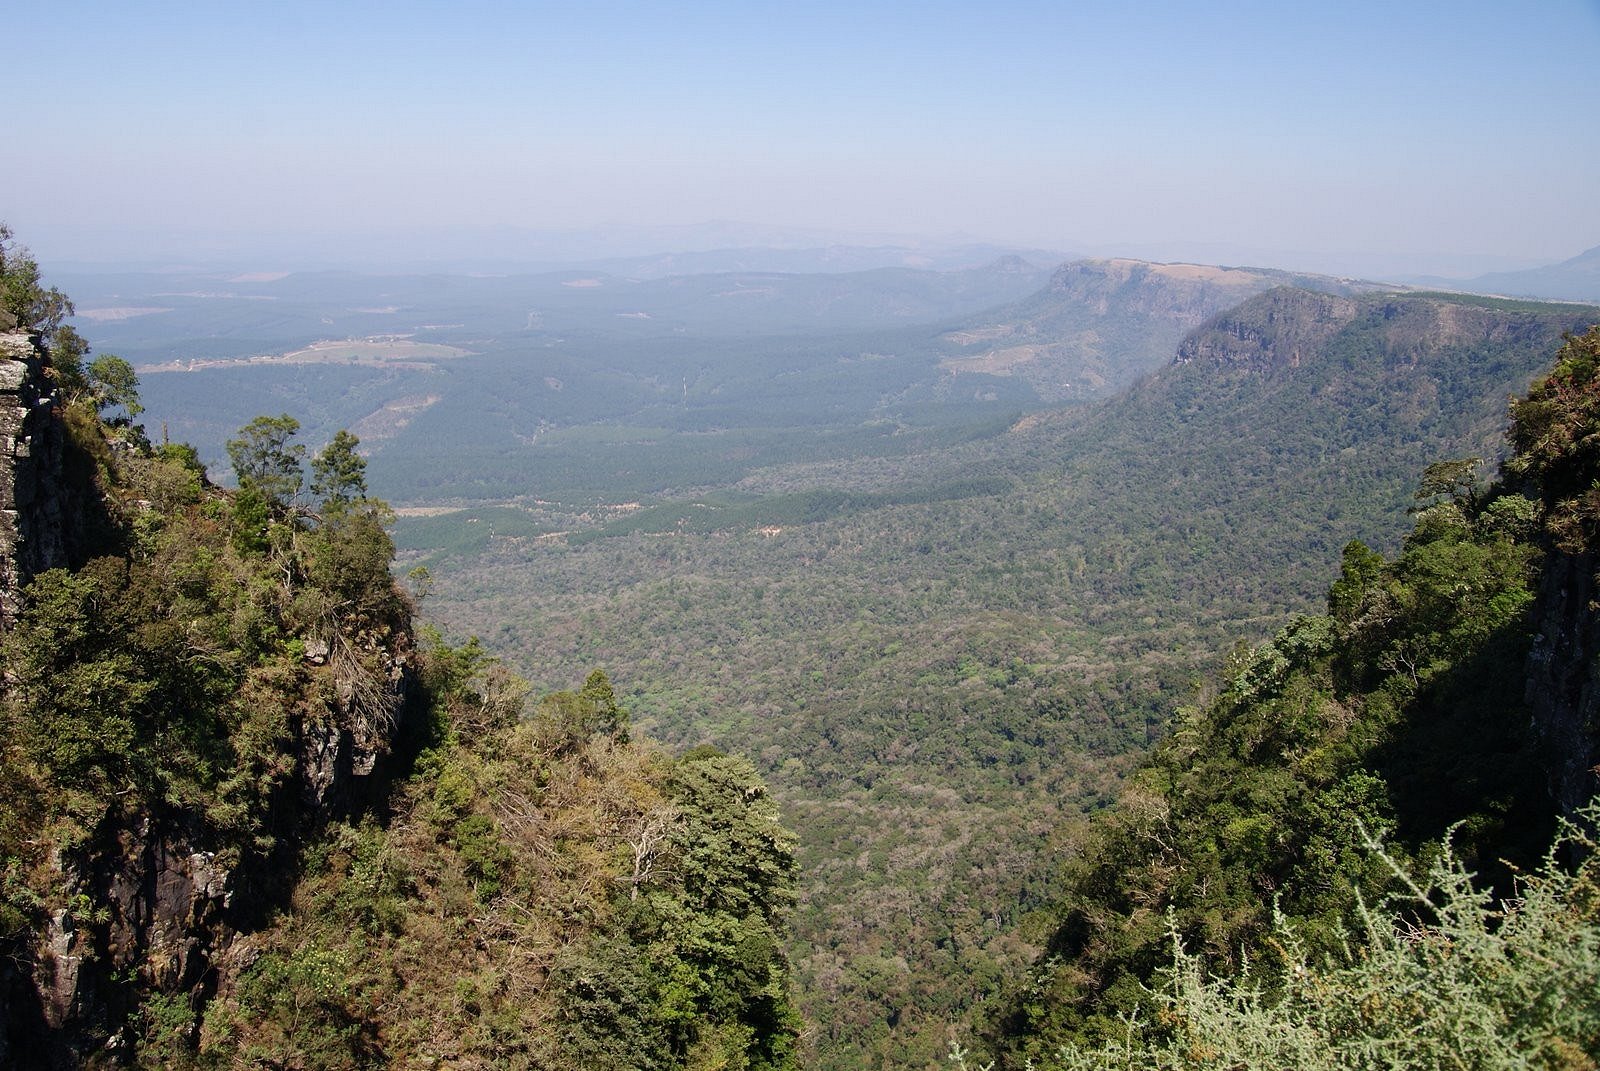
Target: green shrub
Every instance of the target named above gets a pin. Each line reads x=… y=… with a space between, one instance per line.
x=1438 y=975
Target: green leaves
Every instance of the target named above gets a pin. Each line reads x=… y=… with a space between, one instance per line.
x=266 y=462
x=608 y=715
x=1399 y=710
x=113 y=384
x=569 y=719
x=1437 y=976
x=338 y=473
x=714 y=926
x=24 y=301
x=734 y=855
x=1556 y=434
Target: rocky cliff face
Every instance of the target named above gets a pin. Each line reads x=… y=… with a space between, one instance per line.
x=1285 y=325
x=165 y=903
x=160 y=906
x=43 y=520
x=1562 y=688
x=1556 y=432
x=1279 y=328
x=1182 y=293
x=152 y=898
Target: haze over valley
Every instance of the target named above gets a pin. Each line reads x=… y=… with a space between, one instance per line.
x=861 y=536
x=942 y=551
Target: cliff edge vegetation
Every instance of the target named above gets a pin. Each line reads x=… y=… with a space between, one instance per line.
x=247 y=819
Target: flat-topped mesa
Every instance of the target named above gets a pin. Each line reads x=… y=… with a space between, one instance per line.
x=1183 y=293
x=1099 y=325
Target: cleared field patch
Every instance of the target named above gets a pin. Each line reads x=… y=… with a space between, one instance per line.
x=981 y=334
x=390 y=420
x=121 y=312
x=995 y=362
x=371 y=349
x=394 y=351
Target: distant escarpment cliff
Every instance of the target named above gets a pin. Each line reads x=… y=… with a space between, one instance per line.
x=1277 y=328
x=1100 y=324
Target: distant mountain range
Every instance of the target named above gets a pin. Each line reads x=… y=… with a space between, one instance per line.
x=830 y=259
x=634 y=252
x=1577 y=279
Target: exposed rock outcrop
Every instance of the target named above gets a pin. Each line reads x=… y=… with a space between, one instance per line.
x=146 y=901
x=35 y=510
x=1562 y=691
x=1280 y=328
x=157 y=905
x=156 y=897
x=345 y=742
x=1272 y=330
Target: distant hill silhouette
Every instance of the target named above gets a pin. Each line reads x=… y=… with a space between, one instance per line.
x=1577 y=279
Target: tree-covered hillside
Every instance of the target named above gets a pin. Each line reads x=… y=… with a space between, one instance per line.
x=1409 y=710
x=245 y=821
x=936 y=658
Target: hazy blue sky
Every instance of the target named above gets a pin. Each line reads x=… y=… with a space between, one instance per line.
x=1400 y=129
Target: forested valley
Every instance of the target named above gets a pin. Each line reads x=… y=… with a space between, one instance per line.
x=935 y=687
x=960 y=668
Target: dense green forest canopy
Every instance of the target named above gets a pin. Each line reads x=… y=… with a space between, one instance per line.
x=939 y=659
x=941 y=631
x=1404 y=712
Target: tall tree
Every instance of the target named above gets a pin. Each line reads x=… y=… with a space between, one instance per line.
x=266 y=462
x=338 y=473
x=24 y=300
x=605 y=713
x=113 y=382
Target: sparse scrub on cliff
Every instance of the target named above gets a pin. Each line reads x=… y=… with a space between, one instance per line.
x=540 y=894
